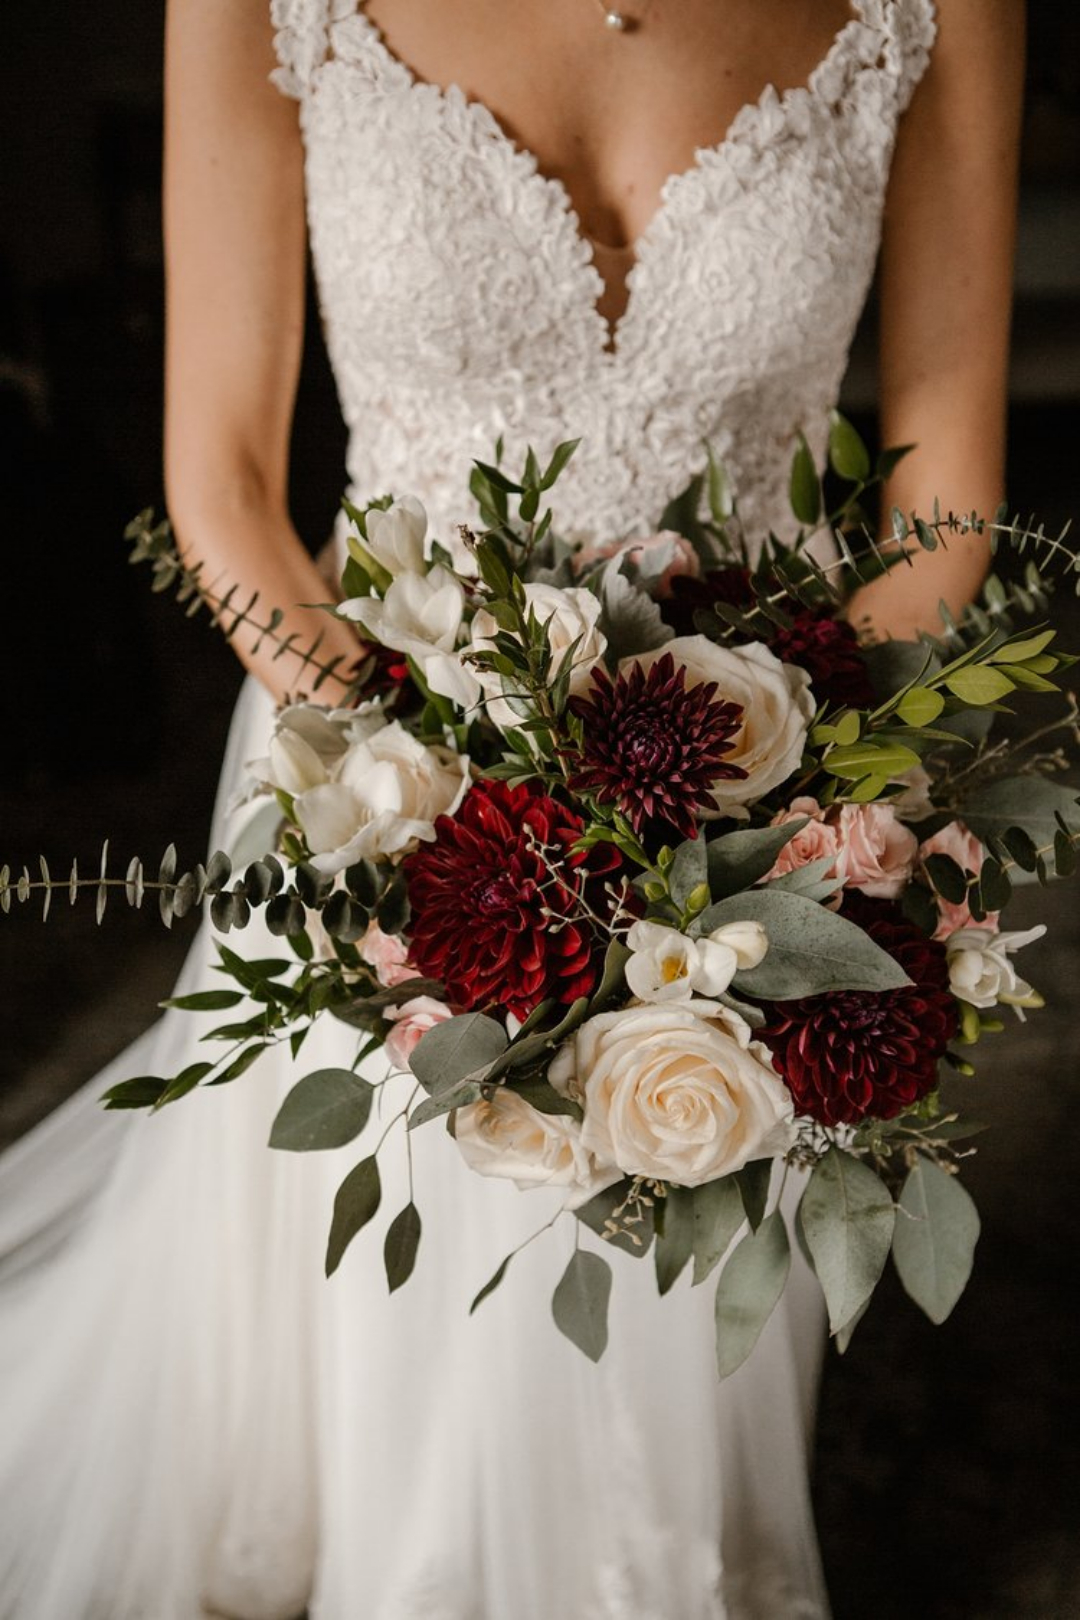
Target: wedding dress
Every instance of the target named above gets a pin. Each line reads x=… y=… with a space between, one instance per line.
x=193 y=1419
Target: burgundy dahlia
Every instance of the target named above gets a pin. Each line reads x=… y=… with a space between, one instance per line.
x=827 y=648
x=856 y=1053
x=652 y=745
x=494 y=901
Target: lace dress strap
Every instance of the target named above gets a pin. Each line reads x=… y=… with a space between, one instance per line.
x=912 y=29
x=301 y=40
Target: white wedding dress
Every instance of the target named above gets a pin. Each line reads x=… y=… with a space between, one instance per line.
x=193 y=1419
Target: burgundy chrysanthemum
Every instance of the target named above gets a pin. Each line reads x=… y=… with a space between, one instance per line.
x=825 y=647
x=494 y=897
x=652 y=745
x=856 y=1053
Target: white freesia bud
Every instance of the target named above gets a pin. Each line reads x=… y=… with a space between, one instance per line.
x=504 y=1136
x=680 y=1092
x=748 y=940
x=669 y=966
x=395 y=538
x=386 y=794
x=981 y=973
x=568 y=616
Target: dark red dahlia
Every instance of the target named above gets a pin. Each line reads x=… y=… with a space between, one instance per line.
x=495 y=901
x=827 y=648
x=859 y=1053
x=652 y=745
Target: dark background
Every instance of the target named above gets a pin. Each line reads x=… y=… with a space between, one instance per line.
x=947 y=1482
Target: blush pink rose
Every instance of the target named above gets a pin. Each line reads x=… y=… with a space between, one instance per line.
x=387 y=955
x=684 y=559
x=877 y=852
x=411 y=1020
x=811 y=843
x=962 y=846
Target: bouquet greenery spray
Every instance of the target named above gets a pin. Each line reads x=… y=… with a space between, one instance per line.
x=660 y=886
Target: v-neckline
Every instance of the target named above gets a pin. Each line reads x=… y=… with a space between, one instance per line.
x=612 y=332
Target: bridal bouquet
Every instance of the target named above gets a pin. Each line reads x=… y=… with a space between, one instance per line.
x=659 y=885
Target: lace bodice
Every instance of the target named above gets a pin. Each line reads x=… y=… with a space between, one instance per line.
x=459 y=293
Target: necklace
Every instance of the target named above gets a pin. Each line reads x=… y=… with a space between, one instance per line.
x=617 y=22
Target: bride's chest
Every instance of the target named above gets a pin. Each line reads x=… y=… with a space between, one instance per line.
x=441 y=248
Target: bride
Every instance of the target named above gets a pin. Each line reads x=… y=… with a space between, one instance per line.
x=528 y=221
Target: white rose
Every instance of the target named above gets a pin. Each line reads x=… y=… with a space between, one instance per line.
x=669 y=966
x=505 y=1136
x=395 y=538
x=980 y=972
x=680 y=1092
x=568 y=615
x=386 y=794
x=777 y=707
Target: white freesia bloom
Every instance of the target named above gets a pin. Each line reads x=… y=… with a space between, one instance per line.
x=569 y=616
x=309 y=743
x=681 y=1092
x=505 y=1136
x=395 y=538
x=385 y=795
x=777 y=707
x=669 y=966
x=981 y=973
x=420 y=613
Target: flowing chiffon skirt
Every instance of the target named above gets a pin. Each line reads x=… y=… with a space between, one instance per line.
x=194 y=1421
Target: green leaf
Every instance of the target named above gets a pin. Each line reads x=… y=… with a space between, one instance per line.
x=580 y=1302
x=947 y=877
x=753 y=1182
x=145 y=1091
x=750 y=1286
x=869 y=758
x=721 y=495
x=718 y=1215
x=325 y=1109
x=675 y=1244
x=847 y=452
x=934 y=1242
x=805 y=486
x=847 y=1218
x=241 y=1063
x=920 y=706
x=441 y=1103
x=847 y=728
x=402 y=1242
x=1030 y=802
x=559 y=459
x=738 y=859
x=491 y=1284
x=1015 y=652
x=357 y=1200
x=206 y=1000
x=811 y=950
x=185 y=1081
x=457 y=1048
x=688 y=870
x=979 y=684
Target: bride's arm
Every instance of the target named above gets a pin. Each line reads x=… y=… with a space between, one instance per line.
x=946 y=285
x=234 y=242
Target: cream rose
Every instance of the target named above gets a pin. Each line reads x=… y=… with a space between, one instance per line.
x=568 y=616
x=680 y=1092
x=386 y=794
x=504 y=1136
x=777 y=707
